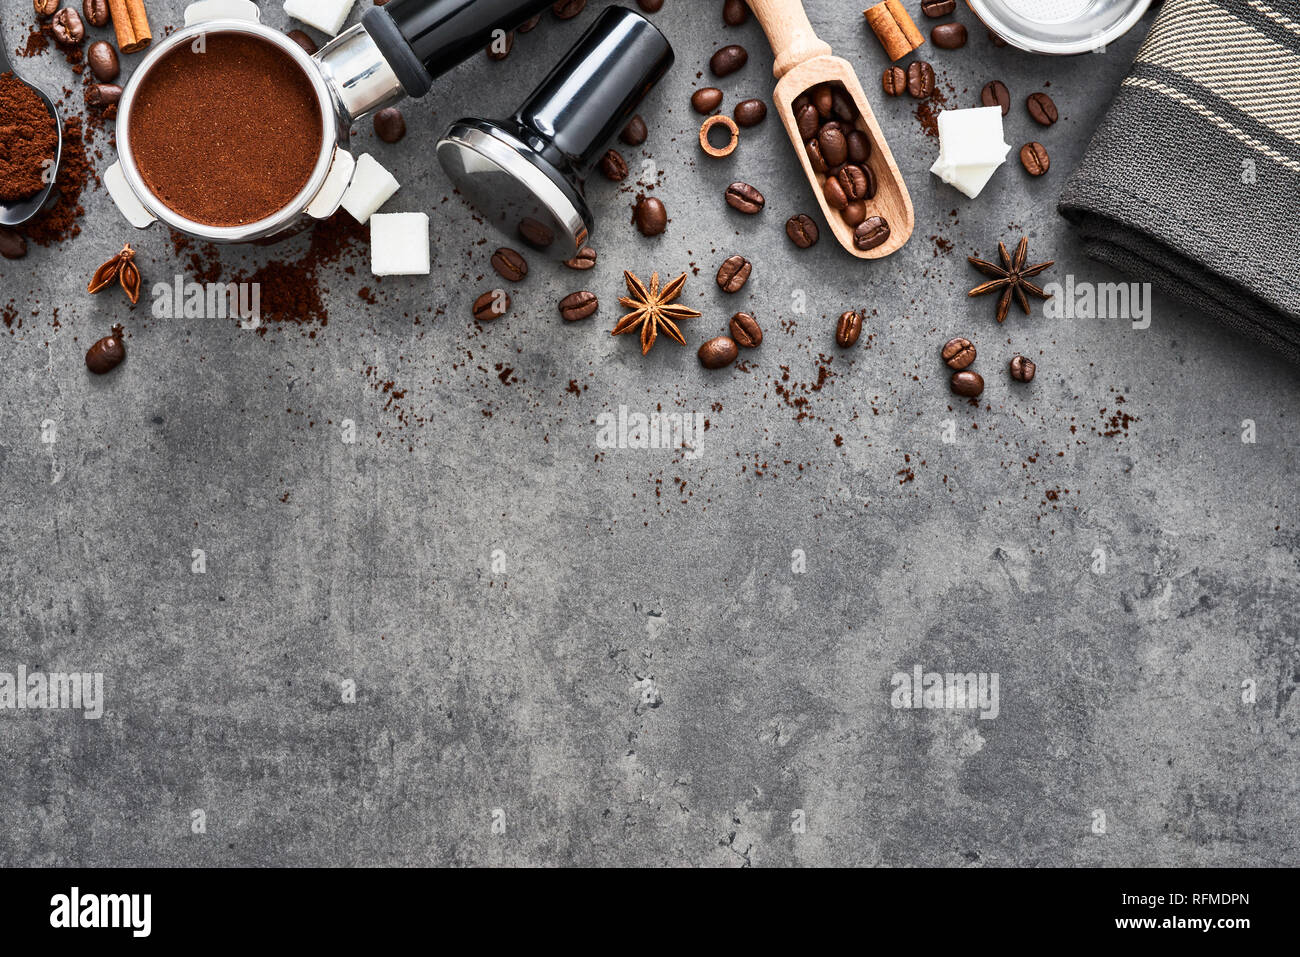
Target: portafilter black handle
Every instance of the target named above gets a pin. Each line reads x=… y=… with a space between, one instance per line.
x=423 y=39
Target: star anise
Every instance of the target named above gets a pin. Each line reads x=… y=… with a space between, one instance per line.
x=653 y=309
x=121 y=267
x=1012 y=277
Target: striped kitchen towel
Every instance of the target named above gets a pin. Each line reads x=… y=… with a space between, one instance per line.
x=1192 y=180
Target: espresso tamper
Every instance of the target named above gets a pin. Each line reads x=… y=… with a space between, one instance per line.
x=526 y=174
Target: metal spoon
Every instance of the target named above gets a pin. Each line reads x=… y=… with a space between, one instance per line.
x=17 y=212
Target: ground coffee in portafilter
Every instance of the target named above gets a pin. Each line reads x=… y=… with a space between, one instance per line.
x=229 y=136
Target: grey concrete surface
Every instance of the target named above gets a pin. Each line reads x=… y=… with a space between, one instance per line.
x=611 y=654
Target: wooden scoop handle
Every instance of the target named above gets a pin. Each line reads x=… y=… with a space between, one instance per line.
x=789 y=33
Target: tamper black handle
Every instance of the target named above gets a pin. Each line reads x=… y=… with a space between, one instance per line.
x=423 y=39
x=591 y=93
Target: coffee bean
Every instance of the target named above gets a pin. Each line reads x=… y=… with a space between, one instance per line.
x=745 y=198
x=749 y=112
x=103 y=94
x=530 y=24
x=835 y=148
x=938 y=8
x=802 y=230
x=958 y=353
x=13 y=244
x=968 y=384
x=390 y=124
x=823 y=98
x=854 y=213
x=996 y=40
x=734 y=273
x=67 y=27
x=1034 y=158
x=585 y=259
x=859 y=146
x=815 y=157
x=735 y=12
x=1022 y=369
x=995 y=93
x=856 y=182
x=509 y=264
x=491 y=305
x=538 y=235
x=635 y=132
x=106 y=354
x=842 y=106
x=578 y=305
x=96 y=12
x=718 y=353
x=651 y=216
x=808 y=121
x=920 y=79
x=1041 y=108
x=746 y=330
x=706 y=99
x=728 y=59
x=799 y=102
x=45 y=8
x=894 y=80
x=848 y=329
x=102 y=60
x=836 y=198
x=870 y=233
x=500 y=49
x=303 y=40
x=949 y=36
x=614 y=166
x=568 y=9
x=650 y=6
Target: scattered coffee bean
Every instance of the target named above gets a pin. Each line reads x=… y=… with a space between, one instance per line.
x=635 y=132
x=958 y=353
x=530 y=24
x=509 y=264
x=500 y=48
x=996 y=40
x=734 y=273
x=303 y=40
x=938 y=8
x=103 y=94
x=967 y=383
x=538 y=235
x=1041 y=108
x=578 y=305
x=45 y=8
x=390 y=124
x=568 y=9
x=728 y=59
x=651 y=215
x=67 y=28
x=848 y=329
x=835 y=148
x=870 y=233
x=920 y=79
x=1034 y=158
x=749 y=112
x=802 y=230
x=102 y=60
x=836 y=198
x=823 y=98
x=718 y=353
x=854 y=213
x=745 y=198
x=650 y=6
x=894 y=81
x=806 y=118
x=746 y=330
x=491 y=305
x=995 y=93
x=1022 y=369
x=614 y=166
x=96 y=12
x=949 y=36
x=106 y=354
x=13 y=244
x=859 y=146
x=815 y=157
x=735 y=12
x=585 y=259
x=706 y=99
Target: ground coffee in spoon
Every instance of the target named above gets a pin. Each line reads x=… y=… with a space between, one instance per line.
x=228 y=136
x=28 y=140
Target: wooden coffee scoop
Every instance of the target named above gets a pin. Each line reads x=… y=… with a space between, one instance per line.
x=803 y=62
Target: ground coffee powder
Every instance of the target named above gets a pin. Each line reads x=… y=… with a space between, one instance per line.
x=28 y=140
x=229 y=136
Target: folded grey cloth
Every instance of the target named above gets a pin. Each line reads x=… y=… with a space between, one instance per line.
x=1192 y=181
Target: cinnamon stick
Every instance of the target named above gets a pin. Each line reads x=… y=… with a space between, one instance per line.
x=131 y=24
x=890 y=22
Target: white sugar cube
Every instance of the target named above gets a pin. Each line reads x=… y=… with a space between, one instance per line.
x=399 y=244
x=971 y=180
x=327 y=16
x=371 y=187
x=971 y=137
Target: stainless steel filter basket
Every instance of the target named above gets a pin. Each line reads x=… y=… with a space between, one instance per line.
x=1059 y=26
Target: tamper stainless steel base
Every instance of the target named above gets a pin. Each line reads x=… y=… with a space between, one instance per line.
x=526 y=174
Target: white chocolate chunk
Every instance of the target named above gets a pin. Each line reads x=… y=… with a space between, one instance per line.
x=328 y=16
x=399 y=244
x=371 y=187
x=970 y=180
x=971 y=137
